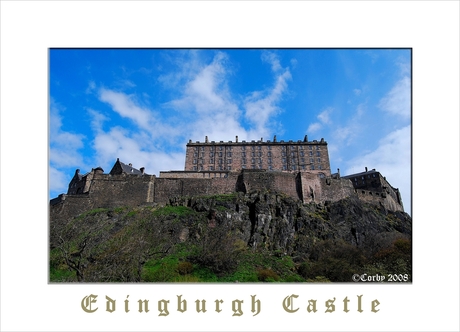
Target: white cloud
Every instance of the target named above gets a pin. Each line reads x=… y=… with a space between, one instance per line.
x=357 y=92
x=64 y=145
x=314 y=127
x=58 y=180
x=392 y=159
x=398 y=100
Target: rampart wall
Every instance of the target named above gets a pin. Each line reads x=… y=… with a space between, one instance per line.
x=108 y=191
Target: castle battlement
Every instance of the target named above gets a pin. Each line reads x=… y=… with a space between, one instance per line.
x=279 y=169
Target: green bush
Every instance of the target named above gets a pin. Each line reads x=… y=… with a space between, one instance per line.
x=267 y=275
x=184 y=268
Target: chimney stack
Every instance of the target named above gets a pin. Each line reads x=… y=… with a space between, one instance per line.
x=236 y=139
x=142 y=169
x=366 y=169
x=206 y=139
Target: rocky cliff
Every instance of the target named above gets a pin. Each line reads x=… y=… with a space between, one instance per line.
x=256 y=236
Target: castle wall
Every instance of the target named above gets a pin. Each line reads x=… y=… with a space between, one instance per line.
x=165 y=188
x=69 y=206
x=265 y=180
x=336 y=189
x=121 y=190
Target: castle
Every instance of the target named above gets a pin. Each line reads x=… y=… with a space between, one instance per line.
x=299 y=169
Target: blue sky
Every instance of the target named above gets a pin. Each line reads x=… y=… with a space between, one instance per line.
x=143 y=105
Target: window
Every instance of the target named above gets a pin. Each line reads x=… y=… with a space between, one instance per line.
x=259 y=147
x=283 y=148
x=270 y=167
x=221 y=148
x=201 y=167
x=253 y=147
x=310 y=147
x=212 y=148
x=294 y=167
x=202 y=148
x=284 y=167
x=269 y=154
x=317 y=147
x=302 y=154
x=243 y=154
x=229 y=148
x=220 y=154
x=260 y=161
x=244 y=161
x=310 y=153
x=195 y=154
x=269 y=160
x=211 y=168
x=284 y=160
x=312 y=167
x=269 y=147
x=318 y=153
x=211 y=161
x=211 y=154
x=229 y=161
x=283 y=154
x=194 y=161
x=253 y=154
x=243 y=167
x=229 y=154
x=243 y=148
x=253 y=161
x=292 y=147
x=229 y=168
x=318 y=160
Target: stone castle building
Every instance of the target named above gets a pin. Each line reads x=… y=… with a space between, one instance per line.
x=269 y=155
x=298 y=169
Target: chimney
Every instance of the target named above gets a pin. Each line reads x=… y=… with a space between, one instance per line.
x=206 y=139
x=236 y=139
x=338 y=172
x=274 y=138
x=305 y=139
x=366 y=169
x=142 y=169
x=130 y=165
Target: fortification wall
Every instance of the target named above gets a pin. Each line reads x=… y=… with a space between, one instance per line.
x=265 y=180
x=311 y=187
x=165 y=188
x=121 y=190
x=336 y=189
x=70 y=206
x=379 y=198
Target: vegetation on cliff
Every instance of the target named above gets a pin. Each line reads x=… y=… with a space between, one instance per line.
x=256 y=237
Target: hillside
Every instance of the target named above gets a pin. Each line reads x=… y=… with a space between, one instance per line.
x=258 y=236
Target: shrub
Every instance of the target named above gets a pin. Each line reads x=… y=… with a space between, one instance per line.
x=267 y=275
x=184 y=268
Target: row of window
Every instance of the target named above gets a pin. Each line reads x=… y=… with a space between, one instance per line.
x=253 y=154
x=270 y=167
x=259 y=161
x=253 y=148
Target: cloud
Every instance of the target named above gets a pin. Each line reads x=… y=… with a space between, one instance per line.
x=392 y=158
x=398 y=100
x=64 y=145
x=324 y=119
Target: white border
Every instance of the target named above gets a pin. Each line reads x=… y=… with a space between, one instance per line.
x=28 y=29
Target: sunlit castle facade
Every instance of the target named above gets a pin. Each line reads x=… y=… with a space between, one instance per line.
x=301 y=155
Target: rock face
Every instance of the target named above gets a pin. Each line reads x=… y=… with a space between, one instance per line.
x=114 y=244
x=279 y=223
